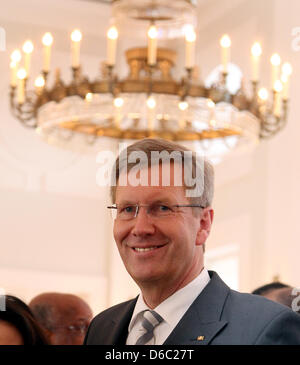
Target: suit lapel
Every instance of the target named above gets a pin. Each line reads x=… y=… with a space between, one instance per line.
x=117 y=331
x=202 y=321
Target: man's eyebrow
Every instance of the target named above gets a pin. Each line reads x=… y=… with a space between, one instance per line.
x=126 y=202
x=154 y=201
x=163 y=201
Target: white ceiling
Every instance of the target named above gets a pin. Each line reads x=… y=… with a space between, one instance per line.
x=91 y=16
x=59 y=14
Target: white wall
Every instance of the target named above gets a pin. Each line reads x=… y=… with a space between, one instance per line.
x=262 y=190
x=53 y=223
x=52 y=217
x=283 y=197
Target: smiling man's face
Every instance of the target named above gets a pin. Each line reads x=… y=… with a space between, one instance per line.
x=176 y=254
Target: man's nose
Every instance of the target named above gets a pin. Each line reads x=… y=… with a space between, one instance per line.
x=143 y=224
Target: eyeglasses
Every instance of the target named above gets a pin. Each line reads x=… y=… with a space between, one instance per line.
x=79 y=328
x=127 y=212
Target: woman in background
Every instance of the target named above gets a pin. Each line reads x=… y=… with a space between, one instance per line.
x=18 y=325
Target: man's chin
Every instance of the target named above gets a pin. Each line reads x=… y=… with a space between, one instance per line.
x=145 y=278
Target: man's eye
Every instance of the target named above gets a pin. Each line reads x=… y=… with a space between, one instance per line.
x=163 y=208
x=127 y=209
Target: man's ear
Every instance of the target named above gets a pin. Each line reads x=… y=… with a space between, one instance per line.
x=206 y=219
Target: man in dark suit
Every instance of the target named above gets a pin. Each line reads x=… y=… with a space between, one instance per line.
x=160 y=230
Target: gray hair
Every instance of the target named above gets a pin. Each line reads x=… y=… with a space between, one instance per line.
x=148 y=146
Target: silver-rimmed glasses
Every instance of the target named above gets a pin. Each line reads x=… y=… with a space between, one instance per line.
x=127 y=212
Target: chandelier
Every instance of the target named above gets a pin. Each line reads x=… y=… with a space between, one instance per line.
x=149 y=101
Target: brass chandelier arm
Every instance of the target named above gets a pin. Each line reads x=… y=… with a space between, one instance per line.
x=271 y=126
x=24 y=112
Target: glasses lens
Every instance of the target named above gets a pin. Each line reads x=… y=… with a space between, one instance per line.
x=160 y=210
x=79 y=328
x=126 y=212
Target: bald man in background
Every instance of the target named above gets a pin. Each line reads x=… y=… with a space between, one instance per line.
x=284 y=296
x=64 y=317
x=280 y=293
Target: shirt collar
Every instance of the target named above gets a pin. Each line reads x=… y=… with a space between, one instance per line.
x=174 y=307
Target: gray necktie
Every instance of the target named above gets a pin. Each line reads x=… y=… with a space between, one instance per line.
x=151 y=319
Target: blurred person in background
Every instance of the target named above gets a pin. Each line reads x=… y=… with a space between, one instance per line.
x=280 y=293
x=267 y=289
x=64 y=317
x=18 y=325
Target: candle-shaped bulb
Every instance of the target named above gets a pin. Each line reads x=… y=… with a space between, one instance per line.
x=47 y=42
x=287 y=69
x=47 y=39
x=112 y=33
x=256 y=53
x=278 y=86
x=28 y=47
x=210 y=103
x=152 y=45
x=22 y=74
x=225 y=41
x=112 y=36
x=285 y=78
x=256 y=50
x=151 y=103
x=152 y=32
x=21 y=85
x=15 y=59
x=190 y=39
x=13 y=66
x=190 y=35
x=39 y=85
x=275 y=59
x=16 y=56
x=183 y=105
x=89 y=97
x=76 y=35
x=263 y=94
x=118 y=102
x=39 y=82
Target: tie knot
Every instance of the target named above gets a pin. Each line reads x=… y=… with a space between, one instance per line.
x=150 y=320
x=153 y=317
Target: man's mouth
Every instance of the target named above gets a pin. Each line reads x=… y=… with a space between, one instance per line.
x=146 y=249
x=139 y=249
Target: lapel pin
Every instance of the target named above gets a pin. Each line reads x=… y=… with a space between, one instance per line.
x=200 y=338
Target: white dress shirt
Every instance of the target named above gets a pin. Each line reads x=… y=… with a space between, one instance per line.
x=171 y=310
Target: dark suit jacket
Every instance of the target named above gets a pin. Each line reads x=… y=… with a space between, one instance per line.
x=219 y=315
